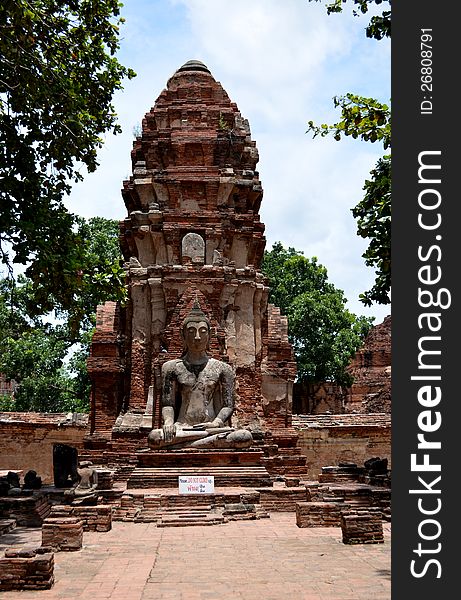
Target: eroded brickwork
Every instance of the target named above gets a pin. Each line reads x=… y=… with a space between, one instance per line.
x=329 y=439
x=371 y=370
x=362 y=527
x=27 y=440
x=26 y=569
x=192 y=232
x=63 y=534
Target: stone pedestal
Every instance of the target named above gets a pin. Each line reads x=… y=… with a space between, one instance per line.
x=27 y=570
x=319 y=514
x=362 y=527
x=62 y=533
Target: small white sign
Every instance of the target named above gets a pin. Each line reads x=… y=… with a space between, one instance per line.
x=196 y=484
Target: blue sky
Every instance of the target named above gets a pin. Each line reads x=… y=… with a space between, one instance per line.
x=282 y=63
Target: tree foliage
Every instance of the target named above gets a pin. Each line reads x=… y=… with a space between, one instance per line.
x=34 y=348
x=369 y=120
x=324 y=334
x=57 y=77
x=373 y=216
x=361 y=118
x=379 y=26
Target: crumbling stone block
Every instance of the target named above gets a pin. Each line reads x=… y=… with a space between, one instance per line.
x=62 y=533
x=362 y=527
x=94 y=518
x=319 y=514
x=27 y=569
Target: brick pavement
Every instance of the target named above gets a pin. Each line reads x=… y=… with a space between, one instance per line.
x=269 y=559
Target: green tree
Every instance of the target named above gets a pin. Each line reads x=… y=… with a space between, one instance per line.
x=35 y=360
x=34 y=349
x=101 y=274
x=324 y=334
x=58 y=74
x=369 y=120
x=379 y=25
x=362 y=118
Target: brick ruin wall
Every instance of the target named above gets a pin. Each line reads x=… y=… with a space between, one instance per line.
x=27 y=440
x=319 y=398
x=371 y=370
x=329 y=439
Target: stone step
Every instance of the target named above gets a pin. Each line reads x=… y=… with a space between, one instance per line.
x=181 y=517
x=199 y=458
x=173 y=509
x=223 y=476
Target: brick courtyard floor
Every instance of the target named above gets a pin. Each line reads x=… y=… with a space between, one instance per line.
x=268 y=559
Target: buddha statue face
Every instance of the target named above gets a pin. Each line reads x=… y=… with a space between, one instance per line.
x=196 y=330
x=196 y=335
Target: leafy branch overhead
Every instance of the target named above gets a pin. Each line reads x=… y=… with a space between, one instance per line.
x=379 y=26
x=58 y=75
x=362 y=118
x=369 y=120
x=373 y=215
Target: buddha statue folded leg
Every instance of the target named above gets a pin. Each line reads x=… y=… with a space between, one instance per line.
x=232 y=438
x=239 y=438
x=156 y=438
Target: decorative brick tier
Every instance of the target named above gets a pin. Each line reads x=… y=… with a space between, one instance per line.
x=62 y=533
x=319 y=514
x=93 y=518
x=362 y=527
x=289 y=462
x=27 y=570
x=199 y=458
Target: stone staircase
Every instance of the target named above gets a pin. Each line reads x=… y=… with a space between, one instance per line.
x=186 y=516
x=168 y=509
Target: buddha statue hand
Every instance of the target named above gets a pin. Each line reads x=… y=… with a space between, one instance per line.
x=169 y=431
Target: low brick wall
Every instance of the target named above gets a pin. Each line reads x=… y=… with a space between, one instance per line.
x=27 y=511
x=62 y=533
x=93 y=518
x=362 y=527
x=282 y=499
x=27 y=570
x=330 y=439
x=27 y=440
x=319 y=514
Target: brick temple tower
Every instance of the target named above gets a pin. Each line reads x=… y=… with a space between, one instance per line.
x=192 y=232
